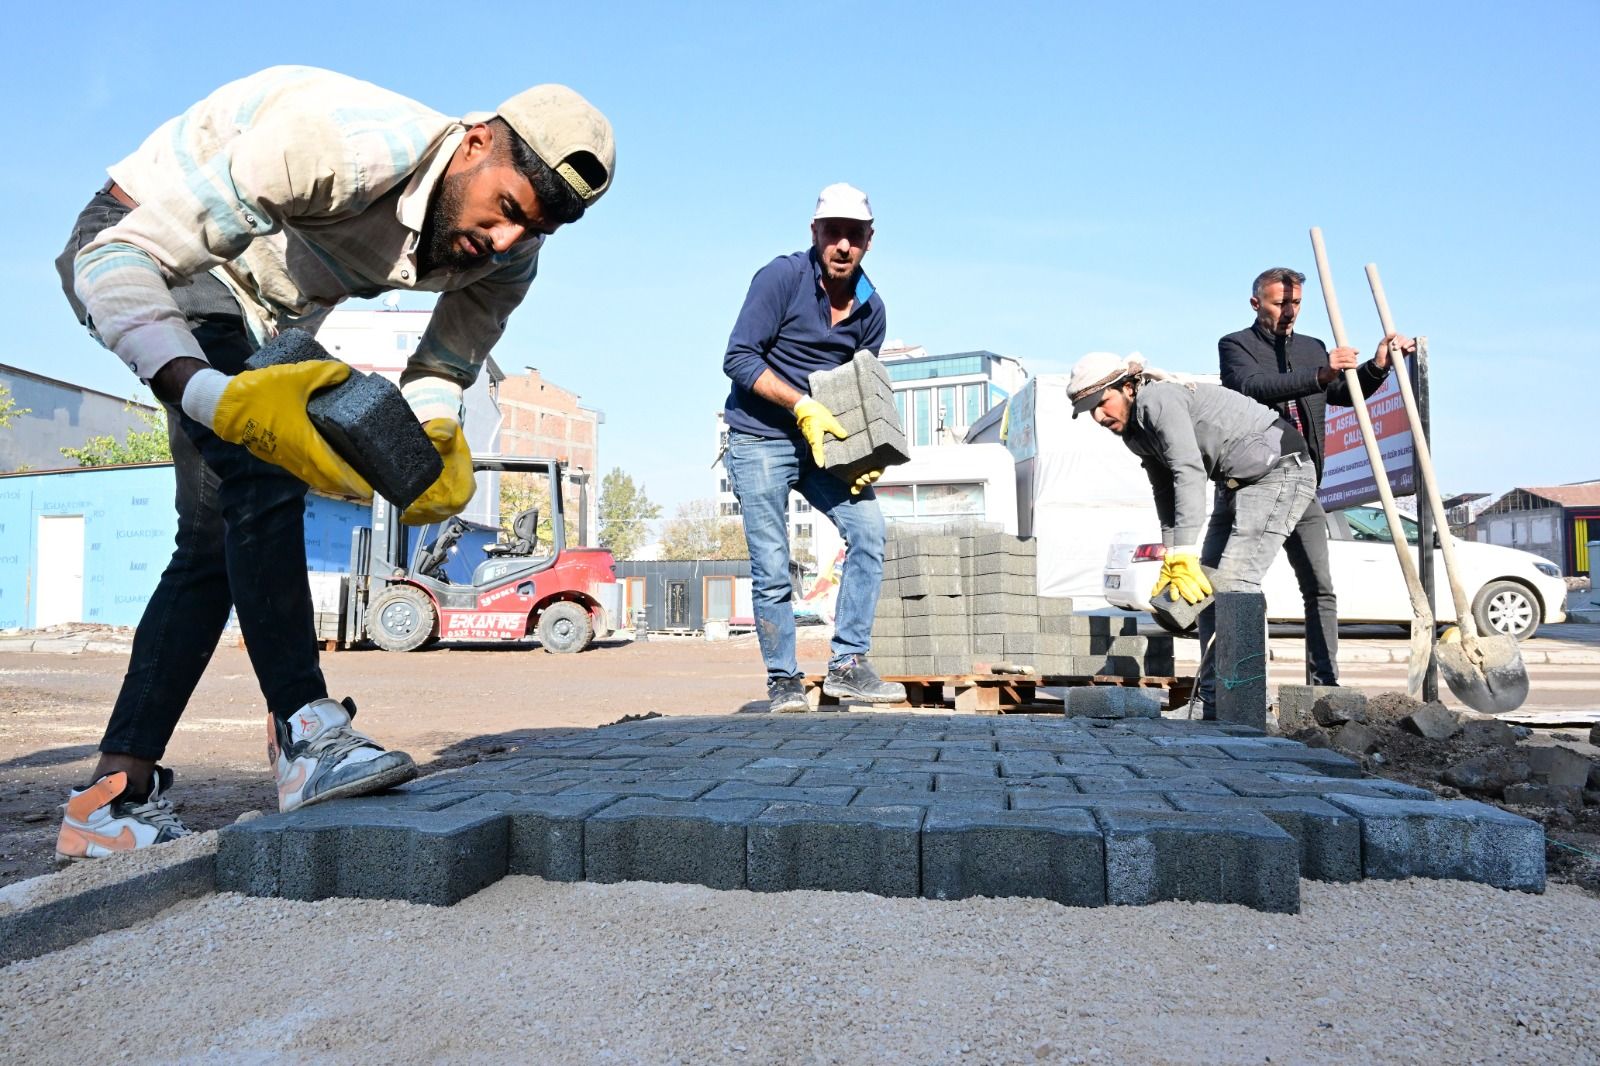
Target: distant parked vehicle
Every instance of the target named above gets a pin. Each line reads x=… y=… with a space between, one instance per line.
x=1512 y=592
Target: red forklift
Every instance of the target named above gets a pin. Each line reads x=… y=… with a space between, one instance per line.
x=401 y=598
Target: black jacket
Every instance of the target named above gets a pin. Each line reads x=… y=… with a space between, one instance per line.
x=1266 y=369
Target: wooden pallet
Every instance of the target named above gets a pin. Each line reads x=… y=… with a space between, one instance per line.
x=1002 y=693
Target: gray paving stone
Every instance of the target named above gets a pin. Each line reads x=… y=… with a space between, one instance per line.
x=1056 y=855
x=641 y=839
x=1111 y=701
x=685 y=799
x=841 y=849
x=833 y=796
x=545 y=833
x=1045 y=800
x=1231 y=857
x=1329 y=838
x=890 y=797
x=434 y=857
x=1453 y=839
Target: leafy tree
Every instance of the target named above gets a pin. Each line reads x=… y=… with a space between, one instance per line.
x=625 y=514
x=148 y=445
x=9 y=411
x=698 y=532
x=518 y=492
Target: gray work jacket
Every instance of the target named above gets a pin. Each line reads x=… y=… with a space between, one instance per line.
x=1186 y=436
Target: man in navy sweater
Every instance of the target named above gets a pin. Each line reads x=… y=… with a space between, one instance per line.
x=1298 y=377
x=812 y=310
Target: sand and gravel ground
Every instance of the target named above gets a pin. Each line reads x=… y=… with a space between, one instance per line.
x=533 y=971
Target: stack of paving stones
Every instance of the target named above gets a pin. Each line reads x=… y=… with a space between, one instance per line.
x=861 y=398
x=951 y=601
x=1081 y=811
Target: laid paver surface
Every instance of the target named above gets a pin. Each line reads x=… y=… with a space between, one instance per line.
x=1083 y=811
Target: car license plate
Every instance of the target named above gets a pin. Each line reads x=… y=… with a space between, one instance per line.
x=1113 y=581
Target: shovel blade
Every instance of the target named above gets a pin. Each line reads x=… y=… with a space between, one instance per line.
x=1485 y=673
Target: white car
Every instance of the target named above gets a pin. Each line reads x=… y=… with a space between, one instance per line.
x=1512 y=592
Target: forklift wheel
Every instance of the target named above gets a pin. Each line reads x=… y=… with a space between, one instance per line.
x=565 y=628
x=401 y=618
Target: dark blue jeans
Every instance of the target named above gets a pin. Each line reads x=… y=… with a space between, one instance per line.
x=240 y=544
x=762 y=472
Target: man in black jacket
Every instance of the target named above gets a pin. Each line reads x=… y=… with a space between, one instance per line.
x=1299 y=377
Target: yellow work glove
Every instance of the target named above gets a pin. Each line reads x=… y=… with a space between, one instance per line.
x=452 y=490
x=265 y=411
x=815 y=420
x=1181 y=570
x=864 y=480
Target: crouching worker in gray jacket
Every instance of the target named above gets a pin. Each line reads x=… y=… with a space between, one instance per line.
x=1186 y=434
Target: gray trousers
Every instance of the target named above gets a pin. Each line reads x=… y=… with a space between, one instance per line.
x=1248 y=527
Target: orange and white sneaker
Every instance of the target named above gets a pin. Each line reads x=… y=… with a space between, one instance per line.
x=97 y=822
x=317 y=756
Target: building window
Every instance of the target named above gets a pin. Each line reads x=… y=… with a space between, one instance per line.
x=973 y=394
x=948 y=415
x=944 y=366
x=718 y=593
x=900 y=408
x=724 y=485
x=801 y=504
x=729 y=509
x=923 y=433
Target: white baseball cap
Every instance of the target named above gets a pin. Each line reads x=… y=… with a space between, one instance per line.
x=1094 y=374
x=843 y=201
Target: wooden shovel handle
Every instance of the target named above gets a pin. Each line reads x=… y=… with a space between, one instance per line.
x=1380 y=476
x=1430 y=482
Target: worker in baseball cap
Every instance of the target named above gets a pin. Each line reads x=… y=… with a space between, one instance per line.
x=812 y=310
x=261 y=206
x=1186 y=434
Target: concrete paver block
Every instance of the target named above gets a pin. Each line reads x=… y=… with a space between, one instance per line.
x=1226 y=857
x=1459 y=839
x=1239 y=656
x=1111 y=701
x=1329 y=838
x=841 y=849
x=1055 y=854
x=642 y=839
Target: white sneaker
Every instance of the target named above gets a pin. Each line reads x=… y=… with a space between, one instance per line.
x=97 y=822
x=317 y=756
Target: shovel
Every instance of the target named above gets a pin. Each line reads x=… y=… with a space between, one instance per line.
x=1421 y=613
x=1485 y=672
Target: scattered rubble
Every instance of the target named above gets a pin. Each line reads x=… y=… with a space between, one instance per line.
x=1452 y=754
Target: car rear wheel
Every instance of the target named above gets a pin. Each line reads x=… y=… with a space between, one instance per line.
x=565 y=628
x=1506 y=608
x=401 y=618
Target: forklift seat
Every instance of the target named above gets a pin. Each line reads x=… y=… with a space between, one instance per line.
x=524 y=534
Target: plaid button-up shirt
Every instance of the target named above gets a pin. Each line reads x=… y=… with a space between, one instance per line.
x=296 y=187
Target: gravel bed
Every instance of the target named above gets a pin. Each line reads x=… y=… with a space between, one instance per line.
x=534 y=971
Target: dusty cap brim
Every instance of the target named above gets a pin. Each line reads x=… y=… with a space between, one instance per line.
x=564 y=130
x=1088 y=397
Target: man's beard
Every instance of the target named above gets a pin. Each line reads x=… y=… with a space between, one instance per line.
x=438 y=249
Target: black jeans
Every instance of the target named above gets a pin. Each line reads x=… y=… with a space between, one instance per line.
x=240 y=544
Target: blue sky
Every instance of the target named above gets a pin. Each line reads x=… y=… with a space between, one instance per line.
x=1049 y=179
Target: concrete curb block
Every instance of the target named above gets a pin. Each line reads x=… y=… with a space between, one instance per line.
x=61 y=922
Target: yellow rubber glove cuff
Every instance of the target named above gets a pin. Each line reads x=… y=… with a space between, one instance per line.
x=265 y=411
x=816 y=420
x=452 y=490
x=864 y=480
x=1181 y=571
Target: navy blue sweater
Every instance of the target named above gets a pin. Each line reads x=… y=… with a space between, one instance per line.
x=784 y=326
